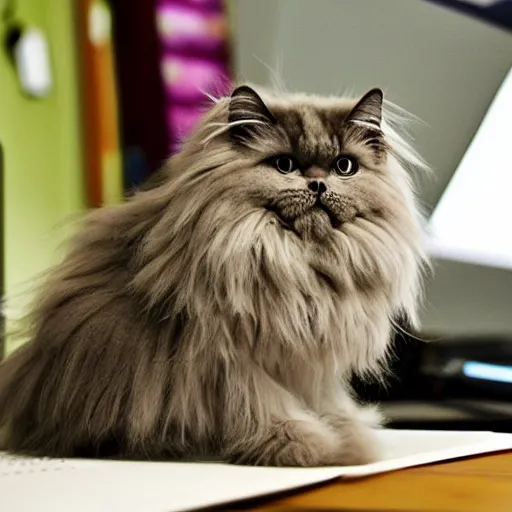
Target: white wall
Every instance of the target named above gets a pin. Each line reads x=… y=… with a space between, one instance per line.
x=255 y=29
x=439 y=64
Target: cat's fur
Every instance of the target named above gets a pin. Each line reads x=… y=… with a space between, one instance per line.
x=221 y=313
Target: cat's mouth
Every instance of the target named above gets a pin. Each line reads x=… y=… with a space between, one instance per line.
x=335 y=222
x=317 y=213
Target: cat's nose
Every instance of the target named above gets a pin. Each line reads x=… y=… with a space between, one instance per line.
x=317 y=186
x=315 y=172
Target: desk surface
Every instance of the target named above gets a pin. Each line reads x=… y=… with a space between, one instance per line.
x=482 y=484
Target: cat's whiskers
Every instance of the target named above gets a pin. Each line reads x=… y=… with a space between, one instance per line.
x=225 y=127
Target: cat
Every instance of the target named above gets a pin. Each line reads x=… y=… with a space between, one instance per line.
x=221 y=312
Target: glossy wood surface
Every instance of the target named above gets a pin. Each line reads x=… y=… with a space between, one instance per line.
x=481 y=484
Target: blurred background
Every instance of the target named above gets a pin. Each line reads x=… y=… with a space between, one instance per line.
x=96 y=94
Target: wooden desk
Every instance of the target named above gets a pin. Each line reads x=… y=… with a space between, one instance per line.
x=482 y=484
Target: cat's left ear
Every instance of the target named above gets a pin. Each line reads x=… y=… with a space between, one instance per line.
x=368 y=110
x=248 y=114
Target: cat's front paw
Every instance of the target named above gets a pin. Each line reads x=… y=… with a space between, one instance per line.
x=358 y=443
x=290 y=443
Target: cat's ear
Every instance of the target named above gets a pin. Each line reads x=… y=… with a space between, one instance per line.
x=368 y=110
x=248 y=114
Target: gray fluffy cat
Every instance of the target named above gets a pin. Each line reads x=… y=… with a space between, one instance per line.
x=222 y=312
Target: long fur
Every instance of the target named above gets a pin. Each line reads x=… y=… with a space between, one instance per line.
x=218 y=313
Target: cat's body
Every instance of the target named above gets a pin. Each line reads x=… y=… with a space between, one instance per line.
x=221 y=313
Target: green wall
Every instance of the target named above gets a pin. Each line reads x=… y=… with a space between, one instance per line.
x=42 y=156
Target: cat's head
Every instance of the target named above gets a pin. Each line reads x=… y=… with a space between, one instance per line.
x=325 y=175
x=318 y=164
x=321 y=163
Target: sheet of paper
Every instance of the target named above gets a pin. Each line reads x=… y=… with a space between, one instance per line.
x=41 y=485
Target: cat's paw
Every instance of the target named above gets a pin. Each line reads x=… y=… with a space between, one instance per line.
x=358 y=443
x=358 y=447
x=291 y=443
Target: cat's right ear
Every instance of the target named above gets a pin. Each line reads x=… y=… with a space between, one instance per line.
x=248 y=115
x=368 y=110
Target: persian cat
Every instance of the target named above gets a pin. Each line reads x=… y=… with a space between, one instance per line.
x=221 y=312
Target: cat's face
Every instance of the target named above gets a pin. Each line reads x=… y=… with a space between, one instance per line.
x=317 y=165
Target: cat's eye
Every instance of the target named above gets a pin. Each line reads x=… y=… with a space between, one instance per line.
x=285 y=164
x=346 y=165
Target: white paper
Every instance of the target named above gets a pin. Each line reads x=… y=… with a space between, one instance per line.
x=41 y=485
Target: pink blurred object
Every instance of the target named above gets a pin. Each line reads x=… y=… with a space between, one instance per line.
x=217 y=5
x=187 y=79
x=195 y=61
x=183 y=117
x=190 y=30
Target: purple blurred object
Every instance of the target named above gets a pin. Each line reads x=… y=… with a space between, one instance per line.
x=187 y=79
x=184 y=117
x=202 y=4
x=194 y=37
x=189 y=30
